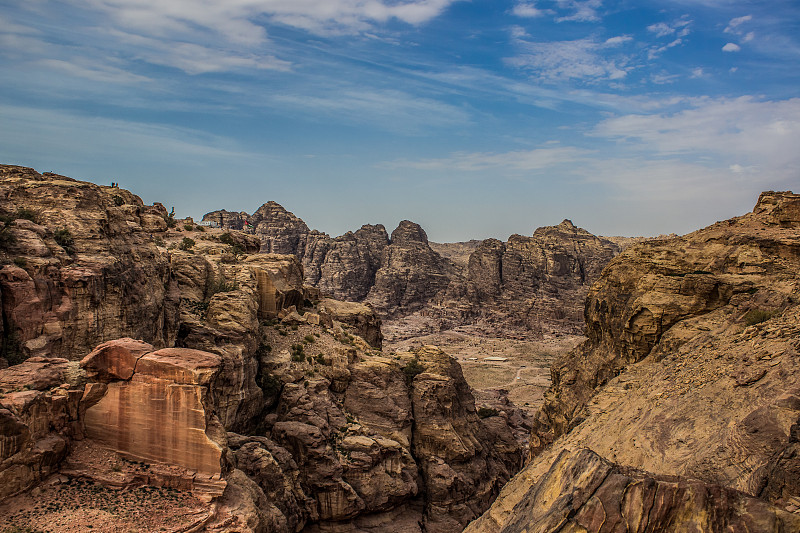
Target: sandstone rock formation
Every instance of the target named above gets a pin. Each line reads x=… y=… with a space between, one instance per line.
x=535 y=283
x=83 y=271
x=687 y=371
x=528 y=285
x=584 y=492
x=256 y=393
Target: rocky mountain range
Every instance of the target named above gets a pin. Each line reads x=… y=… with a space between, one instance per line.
x=149 y=354
x=681 y=410
x=160 y=375
x=527 y=285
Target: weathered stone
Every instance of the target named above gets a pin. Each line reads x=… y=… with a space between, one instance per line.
x=115 y=360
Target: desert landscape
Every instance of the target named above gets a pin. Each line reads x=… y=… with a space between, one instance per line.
x=164 y=375
x=399 y=266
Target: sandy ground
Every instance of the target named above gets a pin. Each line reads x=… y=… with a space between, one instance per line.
x=525 y=373
x=77 y=503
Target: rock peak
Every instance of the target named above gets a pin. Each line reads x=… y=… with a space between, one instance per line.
x=409 y=232
x=567 y=223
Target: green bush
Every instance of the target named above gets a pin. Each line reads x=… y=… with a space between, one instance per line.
x=222 y=285
x=170 y=219
x=65 y=240
x=188 y=227
x=227 y=238
x=757 y=316
x=320 y=359
x=21 y=262
x=186 y=244
x=309 y=339
x=486 y=412
x=159 y=241
x=118 y=200
x=412 y=369
x=298 y=355
x=26 y=214
x=199 y=228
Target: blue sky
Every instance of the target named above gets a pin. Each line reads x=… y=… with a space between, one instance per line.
x=474 y=118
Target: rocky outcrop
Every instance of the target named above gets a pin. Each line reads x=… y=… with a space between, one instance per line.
x=411 y=273
x=687 y=371
x=39 y=402
x=535 y=283
x=162 y=413
x=272 y=402
x=583 y=492
x=79 y=267
x=459 y=455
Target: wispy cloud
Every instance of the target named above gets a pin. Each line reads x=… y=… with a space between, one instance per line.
x=676 y=31
x=571 y=60
x=527 y=10
x=579 y=10
x=521 y=160
x=731 y=47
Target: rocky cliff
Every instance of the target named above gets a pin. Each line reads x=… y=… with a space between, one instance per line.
x=258 y=396
x=687 y=372
x=528 y=285
x=79 y=266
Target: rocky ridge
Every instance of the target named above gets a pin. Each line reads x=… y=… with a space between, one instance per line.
x=687 y=373
x=298 y=420
x=527 y=285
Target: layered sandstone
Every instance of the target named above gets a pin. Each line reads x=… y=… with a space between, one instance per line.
x=687 y=370
x=85 y=270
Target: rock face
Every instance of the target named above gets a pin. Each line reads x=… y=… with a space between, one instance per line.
x=688 y=367
x=84 y=271
x=411 y=273
x=584 y=492
x=531 y=284
x=38 y=417
x=272 y=402
x=162 y=412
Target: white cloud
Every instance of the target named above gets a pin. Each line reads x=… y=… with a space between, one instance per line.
x=697 y=72
x=742 y=131
x=237 y=20
x=731 y=47
x=81 y=68
x=582 y=11
x=614 y=41
x=661 y=29
x=523 y=160
x=565 y=60
x=735 y=23
x=527 y=10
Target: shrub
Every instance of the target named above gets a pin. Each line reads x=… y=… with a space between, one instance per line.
x=298 y=355
x=412 y=369
x=21 y=262
x=263 y=349
x=757 y=316
x=486 y=412
x=188 y=227
x=321 y=359
x=159 y=241
x=26 y=214
x=199 y=228
x=222 y=285
x=309 y=339
x=186 y=244
x=118 y=200
x=65 y=240
x=227 y=238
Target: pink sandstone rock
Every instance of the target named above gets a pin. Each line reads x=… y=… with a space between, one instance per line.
x=114 y=360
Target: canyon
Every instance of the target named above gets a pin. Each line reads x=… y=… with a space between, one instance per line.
x=261 y=376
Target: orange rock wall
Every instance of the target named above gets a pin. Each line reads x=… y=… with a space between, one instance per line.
x=153 y=419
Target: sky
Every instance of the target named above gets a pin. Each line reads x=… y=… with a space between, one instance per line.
x=473 y=118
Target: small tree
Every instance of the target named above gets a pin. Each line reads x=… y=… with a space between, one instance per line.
x=186 y=244
x=64 y=239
